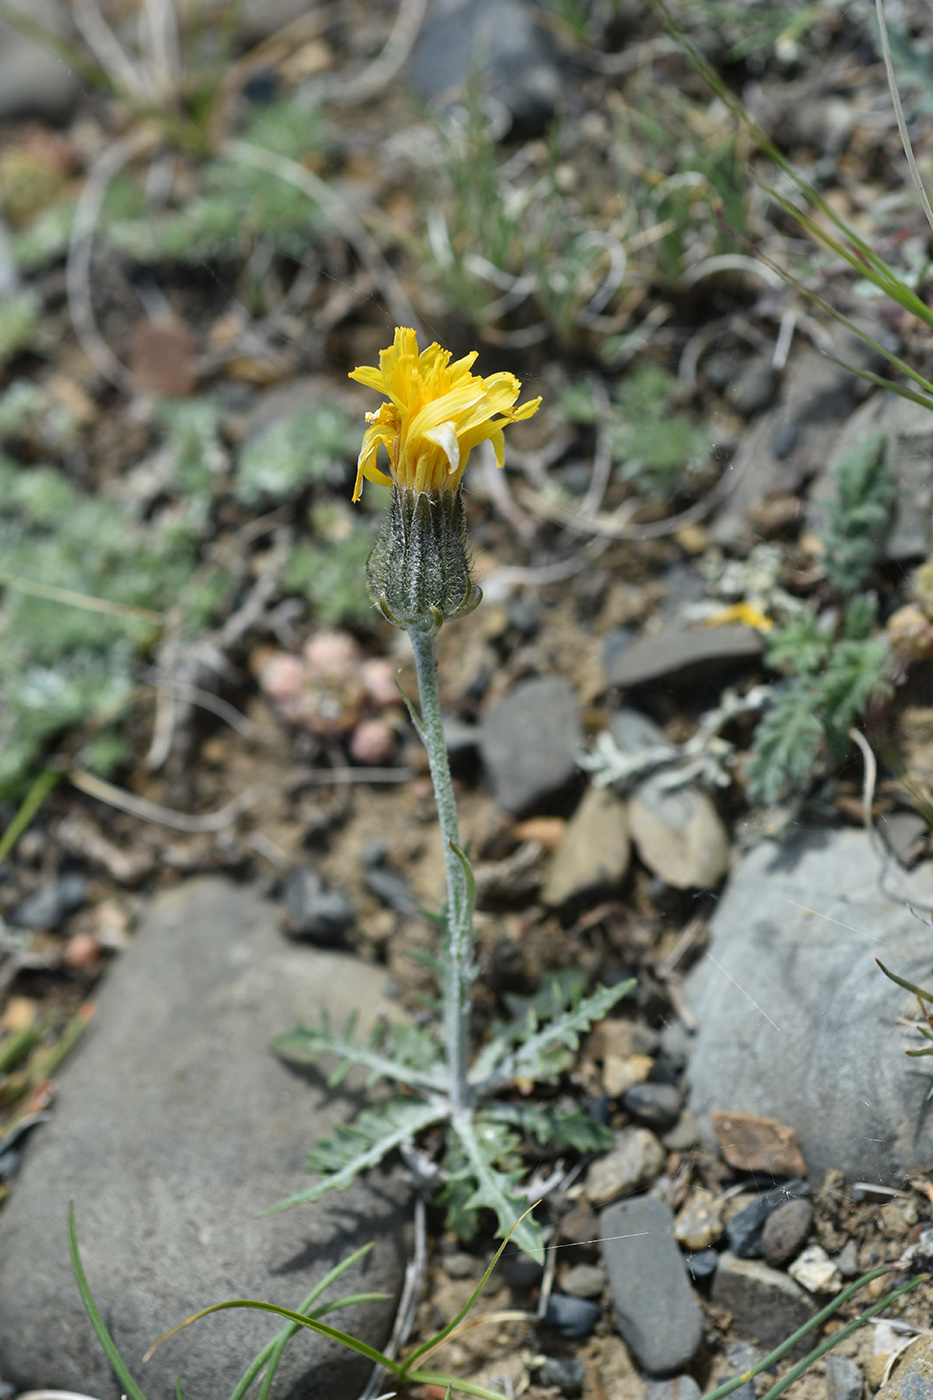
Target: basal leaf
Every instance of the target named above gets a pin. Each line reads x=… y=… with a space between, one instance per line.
x=363 y=1143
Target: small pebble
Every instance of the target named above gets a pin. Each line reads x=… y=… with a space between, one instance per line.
x=741 y=1357
x=570 y=1317
x=702 y=1265
x=785 y=1232
x=684 y=1134
x=459 y=1265
x=622 y=1072
x=745 y=1228
x=373 y=742
x=656 y=1105
x=521 y=1271
x=47 y=908
x=846 y=1261
x=584 y=1281
x=567 y=1373
x=699 y=1221
x=634 y=1163
x=815 y=1271
x=314 y=910
x=378 y=677
x=81 y=950
x=331 y=654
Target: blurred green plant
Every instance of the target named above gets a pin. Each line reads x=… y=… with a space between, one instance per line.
x=653 y=443
x=19 y=316
x=237 y=206
x=507 y=235
x=313 y=446
x=83 y=581
x=837 y=665
x=331 y=573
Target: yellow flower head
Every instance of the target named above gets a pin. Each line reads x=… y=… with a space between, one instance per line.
x=436 y=414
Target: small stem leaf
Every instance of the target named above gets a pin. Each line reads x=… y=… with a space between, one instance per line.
x=467 y=869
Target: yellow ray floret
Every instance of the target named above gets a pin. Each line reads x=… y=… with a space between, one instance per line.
x=436 y=414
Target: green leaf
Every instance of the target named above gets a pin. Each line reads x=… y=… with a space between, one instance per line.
x=97 y=1322
x=800 y=646
x=363 y=1143
x=484 y=1166
x=544 y=1053
x=787 y=742
x=857 y=520
x=415 y=1058
x=856 y=672
x=552 y=1125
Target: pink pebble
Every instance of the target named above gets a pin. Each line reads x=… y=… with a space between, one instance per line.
x=378 y=677
x=331 y=654
x=81 y=950
x=372 y=742
x=282 y=677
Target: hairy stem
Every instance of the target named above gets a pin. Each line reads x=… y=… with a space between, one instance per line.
x=457 y=958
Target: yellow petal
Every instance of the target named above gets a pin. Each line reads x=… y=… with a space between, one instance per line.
x=445 y=436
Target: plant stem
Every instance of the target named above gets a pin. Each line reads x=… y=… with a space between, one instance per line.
x=457 y=958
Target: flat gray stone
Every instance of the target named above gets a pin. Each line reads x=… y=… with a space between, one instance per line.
x=174 y=1127
x=682 y=655
x=658 y=1317
x=797 y=1023
x=529 y=744
x=766 y=1305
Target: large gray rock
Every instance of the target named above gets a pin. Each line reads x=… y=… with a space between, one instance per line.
x=797 y=1023
x=657 y=1314
x=175 y=1126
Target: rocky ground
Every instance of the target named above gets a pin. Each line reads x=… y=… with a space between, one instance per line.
x=218 y=817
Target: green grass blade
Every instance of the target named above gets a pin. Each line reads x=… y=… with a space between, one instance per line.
x=273 y=1349
x=908 y=986
x=453 y=1383
x=797 y=1371
x=334 y=1333
x=790 y=1342
x=38 y=792
x=97 y=1322
x=404 y=1372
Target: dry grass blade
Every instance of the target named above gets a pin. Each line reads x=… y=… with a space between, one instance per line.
x=81 y=245
x=224 y=816
x=899 y=112
x=343 y=219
